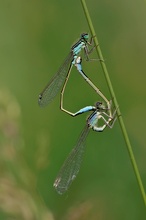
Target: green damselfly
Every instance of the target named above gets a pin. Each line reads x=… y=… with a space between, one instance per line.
x=72 y=164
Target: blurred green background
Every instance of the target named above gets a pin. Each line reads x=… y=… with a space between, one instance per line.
x=35 y=38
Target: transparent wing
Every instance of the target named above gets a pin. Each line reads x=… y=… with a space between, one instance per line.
x=51 y=90
x=71 y=166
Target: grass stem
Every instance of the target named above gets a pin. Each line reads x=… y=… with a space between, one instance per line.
x=121 y=122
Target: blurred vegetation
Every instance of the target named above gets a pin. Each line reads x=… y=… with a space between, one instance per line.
x=35 y=38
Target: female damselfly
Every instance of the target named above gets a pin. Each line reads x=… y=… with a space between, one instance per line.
x=71 y=166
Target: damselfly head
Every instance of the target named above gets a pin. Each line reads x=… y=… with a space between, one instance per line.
x=100 y=106
x=85 y=36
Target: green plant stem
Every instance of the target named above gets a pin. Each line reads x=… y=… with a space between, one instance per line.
x=121 y=122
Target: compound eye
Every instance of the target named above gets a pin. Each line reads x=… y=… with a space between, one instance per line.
x=85 y=36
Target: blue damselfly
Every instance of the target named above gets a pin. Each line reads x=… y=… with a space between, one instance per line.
x=53 y=87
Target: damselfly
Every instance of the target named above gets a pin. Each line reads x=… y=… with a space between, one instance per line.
x=78 y=65
x=71 y=166
x=51 y=90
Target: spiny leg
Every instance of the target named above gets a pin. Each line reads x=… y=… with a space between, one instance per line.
x=87 y=51
x=107 y=122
